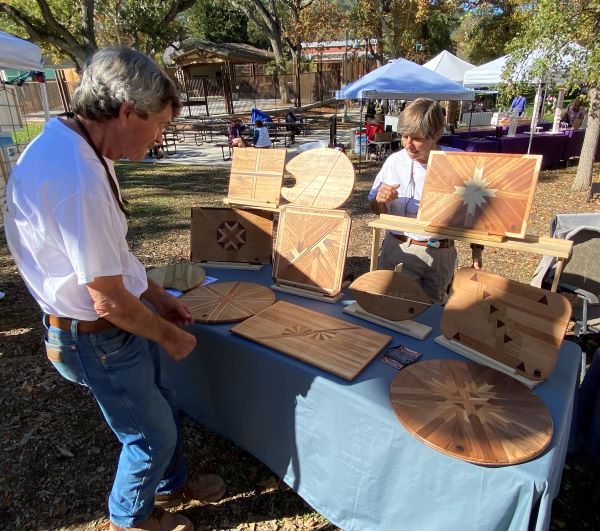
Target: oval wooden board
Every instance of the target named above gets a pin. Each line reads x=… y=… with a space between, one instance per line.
x=471 y=412
x=183 y=277
x=324 y=178
x=390 y=295
x=227 y=302
x=518 y=325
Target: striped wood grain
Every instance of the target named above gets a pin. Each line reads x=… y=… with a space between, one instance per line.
x=516 y=324
x=310 y=248
x=487 y=192
x=471 y=412
x=227 y=302
x=390 y=295
x=324 y=178
x=331 y=344
x=256 y=176
x=231 y=235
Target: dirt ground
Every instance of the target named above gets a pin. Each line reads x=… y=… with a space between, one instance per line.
x=57 y=457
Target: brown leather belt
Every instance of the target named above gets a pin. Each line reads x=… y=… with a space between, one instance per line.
x=83 y=327
x=434 y=244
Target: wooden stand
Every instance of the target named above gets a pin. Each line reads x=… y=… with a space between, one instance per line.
x=541 y=245
x=406 y=327
x=477 y=357
x=307 y=293
x=271 y=207
x=233 y=265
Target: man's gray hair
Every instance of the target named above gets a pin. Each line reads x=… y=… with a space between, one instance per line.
x=113 y=76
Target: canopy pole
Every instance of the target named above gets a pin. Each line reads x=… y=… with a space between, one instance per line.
x=534 y=117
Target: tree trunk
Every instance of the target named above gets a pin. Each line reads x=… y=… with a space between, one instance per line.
x=583 y=179
x=284 y=90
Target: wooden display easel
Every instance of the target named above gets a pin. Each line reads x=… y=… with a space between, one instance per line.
x=542 y=245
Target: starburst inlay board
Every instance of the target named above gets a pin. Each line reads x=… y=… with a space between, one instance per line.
x=324 y=178
x=471 y=412
x=390 y=295
x=231 y=235
x=310 y=248
x=256 y=176
x=518 y=325
x=183 y=276
x=331 y=344
x=487 y=192
x=227 y=302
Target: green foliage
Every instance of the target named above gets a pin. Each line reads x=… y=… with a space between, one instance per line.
x=559 y=40
x=216 y=21
x=26 y=135
x=485 y=30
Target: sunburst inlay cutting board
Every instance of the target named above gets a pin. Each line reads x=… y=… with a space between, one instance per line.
x=227 y=302
x=231 y=235
x=310 y=248
x=331 y=344
x=256 y=176
x=324 y=178
x=487 y=192
x=471 y=412
x=518 y=325
x=390 y=295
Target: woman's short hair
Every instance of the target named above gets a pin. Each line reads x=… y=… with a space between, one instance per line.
x=423 y=118
x=113 y=76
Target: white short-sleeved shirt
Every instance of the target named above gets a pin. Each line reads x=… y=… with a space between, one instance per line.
x=64 y=227
x=400 y=169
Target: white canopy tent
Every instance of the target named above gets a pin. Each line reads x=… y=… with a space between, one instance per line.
x=449 y=65
x=486 y=75
x=401 y=79
x=23 y=55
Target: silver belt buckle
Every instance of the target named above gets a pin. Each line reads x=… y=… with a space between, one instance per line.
x=433 y=243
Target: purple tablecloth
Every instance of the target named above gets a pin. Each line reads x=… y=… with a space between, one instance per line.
x=486 y=145
x=513 y=144
x=550 y=146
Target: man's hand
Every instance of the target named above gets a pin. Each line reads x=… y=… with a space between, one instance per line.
x=167 y=306
x=387 y=193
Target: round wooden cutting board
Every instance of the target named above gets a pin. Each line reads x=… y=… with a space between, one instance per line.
x=183 y=276
x=227 y=302
x=390 y=295
x=471 y=412
x=324 y=178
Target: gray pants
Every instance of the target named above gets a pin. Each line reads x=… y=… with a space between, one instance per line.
x=433 y=268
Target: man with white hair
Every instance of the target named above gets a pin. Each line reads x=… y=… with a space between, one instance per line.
x=66 y=229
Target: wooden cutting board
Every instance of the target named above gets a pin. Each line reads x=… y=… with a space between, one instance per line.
x=487 y=192
x=227 y=302
x=331 y=344
x=324 y=178
x=310 y=248
x=513 y=323
x=183 y=276
x=231 y=235
x=390 y=295
x=471 y=412
x=256 y=176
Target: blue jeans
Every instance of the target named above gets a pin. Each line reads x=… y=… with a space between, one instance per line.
x=124 y=374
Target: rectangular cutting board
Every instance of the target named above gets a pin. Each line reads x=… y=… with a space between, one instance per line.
x=231 y=235
x=331 y=344
x=487 y=192
x=310 y=249
x=256 y=176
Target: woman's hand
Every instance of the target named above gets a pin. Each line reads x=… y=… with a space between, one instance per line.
x=476 y=255
x=387 y=193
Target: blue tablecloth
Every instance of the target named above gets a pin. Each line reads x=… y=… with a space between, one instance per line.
x=340 y=446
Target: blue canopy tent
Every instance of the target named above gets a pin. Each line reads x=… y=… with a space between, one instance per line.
x=404 y=80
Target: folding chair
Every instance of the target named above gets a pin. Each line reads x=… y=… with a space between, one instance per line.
x=580 y=277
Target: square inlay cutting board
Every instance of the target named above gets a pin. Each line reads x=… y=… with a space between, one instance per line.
x=331 y=344
x=518 y=325
x=310 y=249
x=487 y=192
x=256 y=176
x=231 y=235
